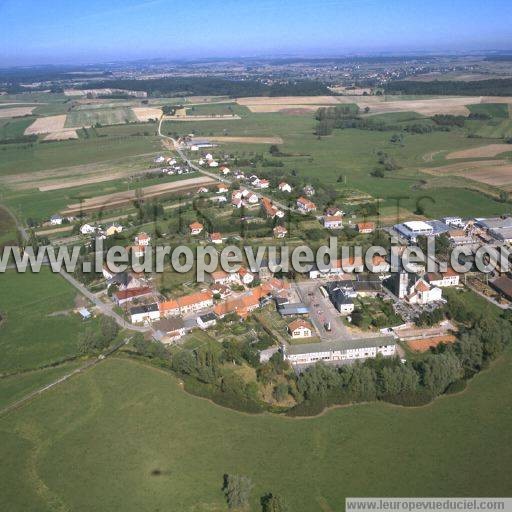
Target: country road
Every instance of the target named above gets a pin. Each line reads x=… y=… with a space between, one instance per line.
x=105 y=309
x=213 y=175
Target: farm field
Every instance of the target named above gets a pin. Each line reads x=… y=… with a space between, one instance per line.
x=16 y=111
x=42 y=204
x=8 y=233
x=32 y=334
x=144 y=444
x=12 y=128
x=78 y=118
x=28 y=158
x=377 y=104
x=174 y=185
x=480 y=152
x=492 y=172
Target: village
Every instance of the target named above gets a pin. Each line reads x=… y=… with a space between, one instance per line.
x=336 y=315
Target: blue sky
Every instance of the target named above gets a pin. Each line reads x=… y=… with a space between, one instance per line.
x=82 y=31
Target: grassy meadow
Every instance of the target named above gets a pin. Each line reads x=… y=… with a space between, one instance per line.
x=38 y=325
x=127 y=437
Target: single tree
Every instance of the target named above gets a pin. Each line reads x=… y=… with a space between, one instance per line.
x=237 y=490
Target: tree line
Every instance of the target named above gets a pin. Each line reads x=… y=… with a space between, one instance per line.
x=493 y=87
x=214 y=86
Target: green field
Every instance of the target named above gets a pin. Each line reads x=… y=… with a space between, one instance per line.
x=126 y=437
x=30 y=334
x=42 y=205
x=16 y=158
x=15 y=387
x=493 y=129
x=14 y=127
x=491 y=109
x=217 y=109
x=8 y=233
x=103 y=117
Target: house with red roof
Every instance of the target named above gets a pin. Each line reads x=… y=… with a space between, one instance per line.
x=305 y=205
x=300 y=329
x=196 y=228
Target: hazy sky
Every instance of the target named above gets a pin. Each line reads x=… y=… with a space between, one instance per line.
x=80 y=31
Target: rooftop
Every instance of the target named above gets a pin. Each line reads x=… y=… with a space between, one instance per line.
x=418 y=225
x=328 y=346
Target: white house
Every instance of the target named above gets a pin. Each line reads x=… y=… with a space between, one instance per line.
x=443 y=279
x=222 y=188
x=422 y=293
x=284 y=187
x=300 y=329
x=245 y=276
x=251 y=198
x=142 y=239
x=237 y=194
x=87 y=229
x=261 y=183
x=333 y=222
x=144 y=313
x=215 y=238
x=56 y=220
x=280 y=232
x=305 y=205
x=207 y=320
x=221 y=277
x=213 y=163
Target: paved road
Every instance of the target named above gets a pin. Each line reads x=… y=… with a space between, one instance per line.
x=213 y=175
x=105 y=309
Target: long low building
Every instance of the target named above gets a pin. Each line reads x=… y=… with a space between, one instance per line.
x=340 y=351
